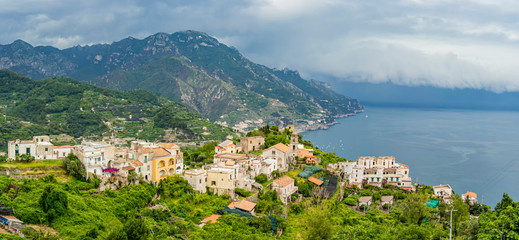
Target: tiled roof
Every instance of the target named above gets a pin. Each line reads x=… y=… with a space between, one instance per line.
x=129 y=168
x=213 y=218
x=245 y=205
x=386 y=198
x=365 y=199
x=471 y=194
x=280 y=146
x=232 y=204
x=67 y=146
x=157 y=152
x=136 y=163
x=285 y=180
x=167 y=145
x=315 y=180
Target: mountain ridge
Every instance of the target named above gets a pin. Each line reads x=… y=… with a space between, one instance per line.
x=192 y=67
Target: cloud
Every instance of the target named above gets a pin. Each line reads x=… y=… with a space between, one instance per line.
x=443 y=43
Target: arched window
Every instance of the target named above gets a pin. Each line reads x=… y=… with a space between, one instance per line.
x=162 y=173
x=171 y=171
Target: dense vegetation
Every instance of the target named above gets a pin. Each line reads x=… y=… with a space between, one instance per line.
x=63 y=105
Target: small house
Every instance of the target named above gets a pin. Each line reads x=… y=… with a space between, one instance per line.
x=386 y=200
x=365 y=200
x=243 y=205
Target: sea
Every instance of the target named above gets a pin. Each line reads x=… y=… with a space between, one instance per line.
x=470 y=150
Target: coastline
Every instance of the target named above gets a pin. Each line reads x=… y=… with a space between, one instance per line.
x=325 y=126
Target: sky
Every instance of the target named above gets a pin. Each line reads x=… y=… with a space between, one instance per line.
x=441 y=43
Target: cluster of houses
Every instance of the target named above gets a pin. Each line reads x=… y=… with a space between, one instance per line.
x=235 y=166
x=374 y=171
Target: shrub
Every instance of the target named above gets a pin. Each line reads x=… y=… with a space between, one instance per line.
x=350 y=201
x=262 y=178
x=242 y=192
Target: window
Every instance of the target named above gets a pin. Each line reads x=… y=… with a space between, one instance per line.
x=139 y=169
x=405 y=172
x=213 y=183
x=28 y=151
x=200 y=181
x=148 y=167
x=46 y=149
x=273 y=152
x=145 y=158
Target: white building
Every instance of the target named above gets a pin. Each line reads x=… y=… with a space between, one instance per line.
x=96 y=157
x=268 y=166
x=62 y=152
x=40 y=148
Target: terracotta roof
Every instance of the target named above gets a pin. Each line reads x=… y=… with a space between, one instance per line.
x=280 y=146
x=285 y=180
x=67 y=146
x=471 y=194
x=315 y=180
x=157 y=152
x=232 y=204
x=213 y=218
x=386 y=198
x=245 y=205
x=129 y=168
x=167 y=145
x=136 y=163
x=365 y=199
x=406 y=188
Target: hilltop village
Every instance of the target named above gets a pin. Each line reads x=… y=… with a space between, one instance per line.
x=270 y=174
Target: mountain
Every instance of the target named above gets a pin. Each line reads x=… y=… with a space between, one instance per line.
x=192 y=67
x=64 y=105
x=391 y=95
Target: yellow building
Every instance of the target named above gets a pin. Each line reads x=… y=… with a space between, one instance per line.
x=164 y=163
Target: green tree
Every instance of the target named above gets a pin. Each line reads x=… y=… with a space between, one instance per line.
x=318 y=224
x=135 y=229
x=413 y=208
x=54 y=202
x=504 y=203
x=74 y=166
x=261 y=178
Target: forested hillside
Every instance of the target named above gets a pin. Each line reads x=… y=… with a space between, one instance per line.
x=64 y=105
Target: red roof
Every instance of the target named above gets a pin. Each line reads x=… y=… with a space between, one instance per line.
x=213 y=218
x=316 y=181
x=471 y=194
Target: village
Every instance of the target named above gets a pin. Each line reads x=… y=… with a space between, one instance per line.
x=238 y=166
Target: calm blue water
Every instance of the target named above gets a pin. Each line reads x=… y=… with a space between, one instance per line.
x=470 y=150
